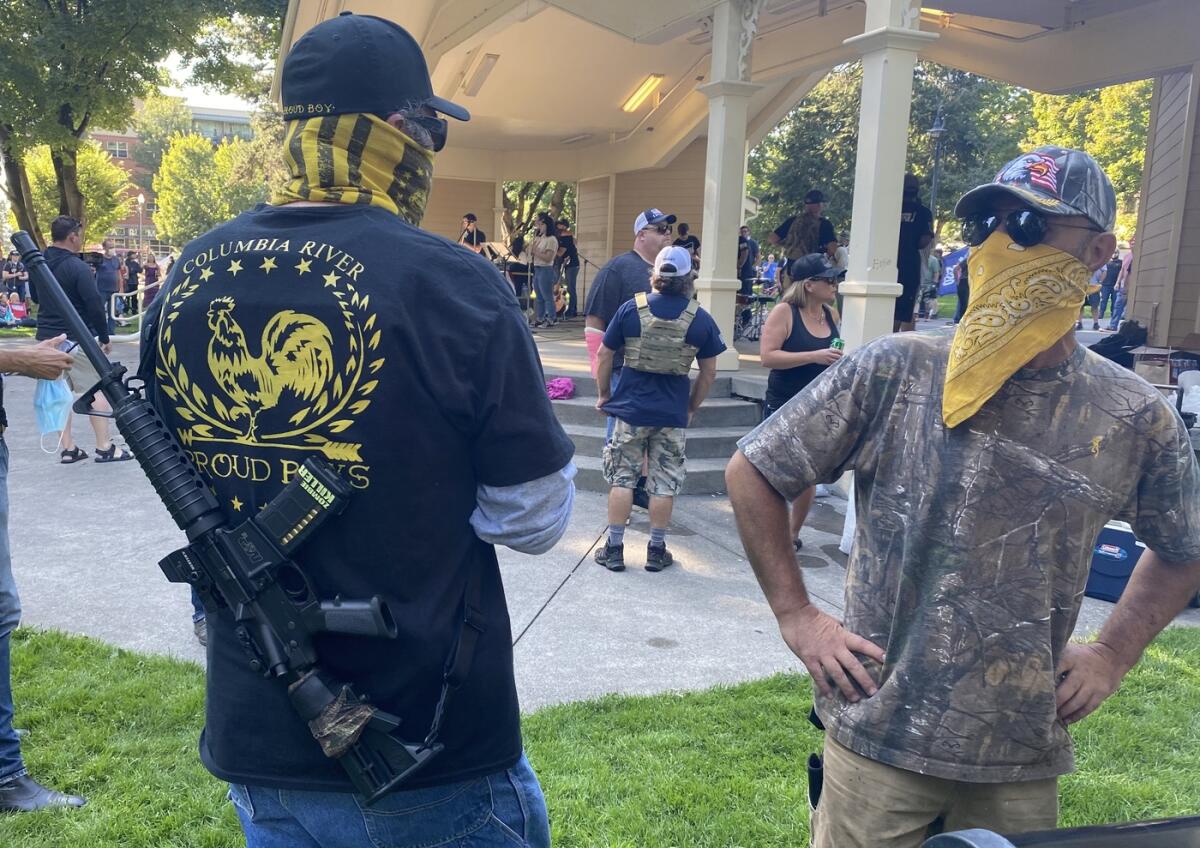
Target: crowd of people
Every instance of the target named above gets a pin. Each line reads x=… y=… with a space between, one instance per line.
x=985 y=464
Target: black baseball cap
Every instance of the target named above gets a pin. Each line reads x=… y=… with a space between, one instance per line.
x=814 y=265
x=358 y=63
x=1053 y=180
x=814 y=196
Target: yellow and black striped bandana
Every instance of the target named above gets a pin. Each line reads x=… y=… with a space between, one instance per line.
x=356 y=159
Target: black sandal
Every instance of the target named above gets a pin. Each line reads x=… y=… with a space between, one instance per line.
x=110 y=454
x=75 y=454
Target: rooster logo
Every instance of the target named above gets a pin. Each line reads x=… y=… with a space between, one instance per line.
x=295 y=355
x=296 y=381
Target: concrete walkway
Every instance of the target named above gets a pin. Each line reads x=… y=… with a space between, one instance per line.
x=86 y=539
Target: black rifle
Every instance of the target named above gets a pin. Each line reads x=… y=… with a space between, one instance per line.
x=247 y=569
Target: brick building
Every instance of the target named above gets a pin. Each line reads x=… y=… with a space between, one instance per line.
x=137 y=229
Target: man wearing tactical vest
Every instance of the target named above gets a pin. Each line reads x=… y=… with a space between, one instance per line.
x=661 y=334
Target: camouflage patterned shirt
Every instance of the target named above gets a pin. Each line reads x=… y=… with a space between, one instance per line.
x=973 y=544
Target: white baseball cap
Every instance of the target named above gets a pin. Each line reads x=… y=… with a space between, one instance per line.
x=673 y=262
x=651 y=217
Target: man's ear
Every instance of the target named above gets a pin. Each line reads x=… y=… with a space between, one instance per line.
x=1100 y=249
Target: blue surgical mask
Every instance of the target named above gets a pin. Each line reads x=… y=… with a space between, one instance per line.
x=52 y=404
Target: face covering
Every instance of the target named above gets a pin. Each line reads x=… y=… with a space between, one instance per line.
x=51 y=405
x=356 y=159
x=1023 y=300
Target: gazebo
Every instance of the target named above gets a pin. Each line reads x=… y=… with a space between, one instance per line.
x=656 y=104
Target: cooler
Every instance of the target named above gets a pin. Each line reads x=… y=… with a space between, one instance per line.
x=1113 y=558
x=1115 y=554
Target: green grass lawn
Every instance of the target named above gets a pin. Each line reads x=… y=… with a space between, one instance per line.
x=722 y=767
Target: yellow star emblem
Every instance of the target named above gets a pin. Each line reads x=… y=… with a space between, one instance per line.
x=236 y=504
x=268 y=265
x=205 y=274
x=304 y=267
x=235 y=266
x=331 y=279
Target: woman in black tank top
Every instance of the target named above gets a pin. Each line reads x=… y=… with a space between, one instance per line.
x=795 y=345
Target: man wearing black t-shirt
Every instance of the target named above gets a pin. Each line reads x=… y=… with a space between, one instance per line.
x=916 y=233
x=472 y=237
x=806 y=233
x=568 y=260
x=329 y=324
x=688 y=241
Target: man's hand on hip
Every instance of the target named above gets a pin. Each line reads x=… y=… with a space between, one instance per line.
x=1087 y=675
x=827 y=650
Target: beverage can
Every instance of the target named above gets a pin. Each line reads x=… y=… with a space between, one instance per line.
x=837 y=344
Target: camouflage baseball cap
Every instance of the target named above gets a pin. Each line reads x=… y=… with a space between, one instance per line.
x=1054 y=180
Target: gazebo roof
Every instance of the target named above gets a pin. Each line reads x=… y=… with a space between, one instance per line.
x=546 y=81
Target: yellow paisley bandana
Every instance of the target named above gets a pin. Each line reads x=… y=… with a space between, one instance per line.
x=1023 y=300
x=356 y=159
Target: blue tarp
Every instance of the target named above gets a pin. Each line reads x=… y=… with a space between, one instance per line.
x=949 y=261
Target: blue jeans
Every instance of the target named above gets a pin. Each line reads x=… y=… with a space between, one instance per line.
x=504 y=810
x=543 y=283
x=11 y=765
x=197 y=608
x=572 y=274
x=1118 y=309
x=1106 y=299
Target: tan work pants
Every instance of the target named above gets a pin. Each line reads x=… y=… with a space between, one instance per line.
x=867 y=803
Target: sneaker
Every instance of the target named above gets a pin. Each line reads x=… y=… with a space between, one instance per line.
x=658 y=557
x=611 y=557
x=798 y=544
x=200 y=628
x=1078 y=325
x=1095 y=325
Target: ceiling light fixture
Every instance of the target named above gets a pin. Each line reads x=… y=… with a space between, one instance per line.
x=643 y=91
x=476 y=80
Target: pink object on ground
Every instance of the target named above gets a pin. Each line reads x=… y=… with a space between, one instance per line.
x=560 y=388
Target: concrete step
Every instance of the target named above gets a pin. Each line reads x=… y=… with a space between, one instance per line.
x=702 y=442
x=715 y=412
x=704 y=476
x=585 y=385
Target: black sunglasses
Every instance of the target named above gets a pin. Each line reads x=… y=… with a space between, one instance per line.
x=1025 y=226
x=661 y=229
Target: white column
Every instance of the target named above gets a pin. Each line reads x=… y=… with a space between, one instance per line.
x=889 y=49
x=728 y=95
x=498 y=213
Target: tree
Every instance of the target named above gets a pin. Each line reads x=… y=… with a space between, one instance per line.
x=812 y=147
x=523 y=200
x=188 y=188
x=75 y=64
x=1109 y=123
x=240 y=175
x=155 y=123
x=102 y=181
x=987 y=124
x=257 y=165
x=199 y=186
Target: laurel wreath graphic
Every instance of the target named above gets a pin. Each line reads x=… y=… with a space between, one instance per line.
x=348 y=395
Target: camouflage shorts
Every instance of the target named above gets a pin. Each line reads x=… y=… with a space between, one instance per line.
x=664 y=446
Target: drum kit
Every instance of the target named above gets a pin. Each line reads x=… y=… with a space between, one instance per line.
x=752 y=310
